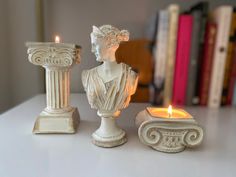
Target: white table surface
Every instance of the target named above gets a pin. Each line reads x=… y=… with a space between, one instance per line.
x=23 y=154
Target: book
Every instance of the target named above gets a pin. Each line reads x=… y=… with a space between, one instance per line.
x=160 y=54
x=173 y=10
x=222 y=17
x=232 y=79
x=182 y=58
x=194 y=54
x=151 y=32
x=200 y=14
x=229 y=60
x=206 y=64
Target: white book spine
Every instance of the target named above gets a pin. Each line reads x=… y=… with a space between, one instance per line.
x=222 y=16
x=160 y=52
x=173 y=10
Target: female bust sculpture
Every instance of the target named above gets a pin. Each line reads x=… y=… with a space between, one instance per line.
x=110 y=85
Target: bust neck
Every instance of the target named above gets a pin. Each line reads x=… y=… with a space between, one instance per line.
x=109 y=66
x=109 y=70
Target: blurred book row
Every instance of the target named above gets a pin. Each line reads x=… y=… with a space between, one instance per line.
x=195 y=56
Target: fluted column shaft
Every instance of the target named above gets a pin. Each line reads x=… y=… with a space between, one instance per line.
x=57 y=89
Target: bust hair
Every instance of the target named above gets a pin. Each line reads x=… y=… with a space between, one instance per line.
x=111 y=35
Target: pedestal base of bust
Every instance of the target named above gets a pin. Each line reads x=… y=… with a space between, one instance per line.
x=61 y=122
x=109 y=134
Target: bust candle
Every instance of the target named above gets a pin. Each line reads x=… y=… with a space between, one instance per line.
x=110 y=85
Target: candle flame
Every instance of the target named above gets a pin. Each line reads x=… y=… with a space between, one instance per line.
x=57 y=39
x=170 y=110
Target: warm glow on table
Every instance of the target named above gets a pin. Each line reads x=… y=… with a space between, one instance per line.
x=168 y=113
x=57 y=39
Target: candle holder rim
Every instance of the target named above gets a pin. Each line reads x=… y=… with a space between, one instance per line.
x=52 y=44
x=189 y=116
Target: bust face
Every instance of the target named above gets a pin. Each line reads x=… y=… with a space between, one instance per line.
x=98 y=48
x=101 y=50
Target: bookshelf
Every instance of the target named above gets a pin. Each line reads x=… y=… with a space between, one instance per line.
x=194 y=53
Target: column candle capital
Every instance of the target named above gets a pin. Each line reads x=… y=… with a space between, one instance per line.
x=50 y=54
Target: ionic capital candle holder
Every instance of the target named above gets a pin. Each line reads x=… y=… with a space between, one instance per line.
x=57 y=59
x=164 y=133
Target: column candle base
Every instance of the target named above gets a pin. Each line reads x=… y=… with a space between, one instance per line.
x=54 y=123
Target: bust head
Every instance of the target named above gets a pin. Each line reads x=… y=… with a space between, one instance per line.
x=105 y=41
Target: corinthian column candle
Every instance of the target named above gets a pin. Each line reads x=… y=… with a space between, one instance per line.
x=57 y=59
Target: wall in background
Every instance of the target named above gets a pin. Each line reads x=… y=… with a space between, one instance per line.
x=4 y=60
x=22 y=79
x=73 y=21
x=25 y=78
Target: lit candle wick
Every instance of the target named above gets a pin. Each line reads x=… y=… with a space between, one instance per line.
x=57 y=39
x=169 y=111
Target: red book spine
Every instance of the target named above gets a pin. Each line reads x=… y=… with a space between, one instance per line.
x=182 y=59
x=232 y=77
x=208 y=52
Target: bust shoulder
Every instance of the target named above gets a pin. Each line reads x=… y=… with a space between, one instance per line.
x=85 y=76
x=132 y=78
x=132 y=73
